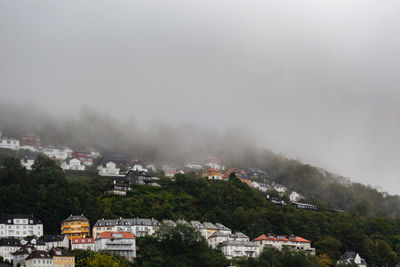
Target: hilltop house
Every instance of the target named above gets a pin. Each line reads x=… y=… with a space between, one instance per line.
x=28 y=160
x=75 y=226
x=219 y=237
x=232 y=249
x=215 y=164
x=56 y=241
x=118 y=188
x=58 y=153
x=108 y=169
x=351 y=257
x=294 y=197
x=120 y=243
x=20 y=226
x=19 y=256
x=82 y=243
x=213 y=174
x=139 y=177
x=85 y=157
x=279 y=242
x=73 y=164
x=9 y=143
x=137 y=226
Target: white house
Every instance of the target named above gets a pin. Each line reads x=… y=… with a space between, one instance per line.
x=73 y=164
x=193 y=166
x=279 y=188
x=20 y=226
x=279 y=242
x=199 y=227
x=39 y=258
x=351 y=257
x=120 y=243
x=219 y=237
x=82 y=243
x=9 y=143
x=37 y=243
x=294 y=197
x=28 y=160
x=260 y=187
x=59 y=153
x=8 y=246
x=109 y=169
x=137 y=167
x=56 y=241
x=232 y=249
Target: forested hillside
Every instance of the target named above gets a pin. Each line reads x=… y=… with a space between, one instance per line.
x=47 y=193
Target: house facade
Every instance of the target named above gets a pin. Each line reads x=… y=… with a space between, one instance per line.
x=73 y=164
x=30 y=140
x=82 y=243
x=20 y=226
x=28 y=160
x=120 y=243
x=137 y=226
x=9 y=143
x=39 y=258
x=108 y=169
x=8 y=246
x=232 y=249
x=62 y=258
x=295 y=243
x=56 y=241
x=75 y=226
x=352 y=258
x=57 y=153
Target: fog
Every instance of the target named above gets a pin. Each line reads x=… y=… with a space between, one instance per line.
x=314 y=80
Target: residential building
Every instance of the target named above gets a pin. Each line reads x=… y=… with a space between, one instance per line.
x=30 y=140
x=279 y=188
x=261 y=187
x=82 y=243
x=213 y=174
x=219 y=237
x=223 y=228
x=210 y=228
x=85 y=157
x=117 y=188
x=134 y=177
x=137 y=166
x=75 y=226
x=239 y=173
x=294 y=196
x=200 y=227
x=20 y=226
x=295 y=243
x=37 y=243
x=351 y=257
x=57 y=153
x=73 y=164
x=21 y=254
x=56 y=241
x=138 y=226
x=8 y=246
x=120 y=243
x=193 y=166
x=39 y=258
x=62 y=258
x=247 y=181
x=108 y=169
x=215 y=164
x=28 y=160
x=9 y=143
x=232 y=249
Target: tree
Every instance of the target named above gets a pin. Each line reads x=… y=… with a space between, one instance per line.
x=329 y=246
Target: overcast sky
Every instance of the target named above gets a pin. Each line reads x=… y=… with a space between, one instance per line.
x=315 y=80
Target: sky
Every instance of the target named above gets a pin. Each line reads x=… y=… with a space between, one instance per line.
x=315 y=80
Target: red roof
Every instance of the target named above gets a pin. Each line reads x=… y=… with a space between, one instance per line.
x=113 y=235
x=247 y=181
x=285 y=239
x=89 y=240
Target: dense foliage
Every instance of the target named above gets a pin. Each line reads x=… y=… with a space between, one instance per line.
x=51 y=196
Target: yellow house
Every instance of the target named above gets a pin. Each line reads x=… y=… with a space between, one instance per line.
x=62 y=258
x=75 y=226
x=213 y=174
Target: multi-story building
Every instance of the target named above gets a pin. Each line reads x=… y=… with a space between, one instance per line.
x=9 y=143
x=75 y=226
x=119 y=243
x=232 y=249
x=20 y=226
x=85 y=157
x=62 y=258
x=219 y=237
x=8 y=246
x=137 y=226
x=58 y=153
x=39 y=258
x=56 y=241
x=117 y=188
x=108 y=169
x=30 y=140
x=213 y=174
x=21 y=254
x=82 y=243
x=279 y=242
x=73 y=164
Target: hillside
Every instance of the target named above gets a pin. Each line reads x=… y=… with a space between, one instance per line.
x=48 y=194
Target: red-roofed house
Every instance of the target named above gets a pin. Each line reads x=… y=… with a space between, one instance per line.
x=247 y=181
x=279 y=242
x=82 y=243
x=119 y=243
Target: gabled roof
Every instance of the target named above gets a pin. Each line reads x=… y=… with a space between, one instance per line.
x=10 y=242
x=222 y=227
x=60 y=253
x=219 y=234
x=53 y=238
x=24 y=250
x=39 y=254
x=115 y=235
x=349 y=255
x=209 y=225
x=239 y=243
x=4 y=218
x=72 y=218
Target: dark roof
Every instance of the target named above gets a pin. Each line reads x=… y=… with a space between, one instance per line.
x=4 y=218
x=24 y=250
x=5 y=265
x=36 y=241
x=60 y=252
x=349 y=255
x=29 y=156
x=53 y=238
x=10 y=242
x=72 y=218
x=39 y=254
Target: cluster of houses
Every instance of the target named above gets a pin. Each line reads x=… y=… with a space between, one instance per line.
x=22 y=241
